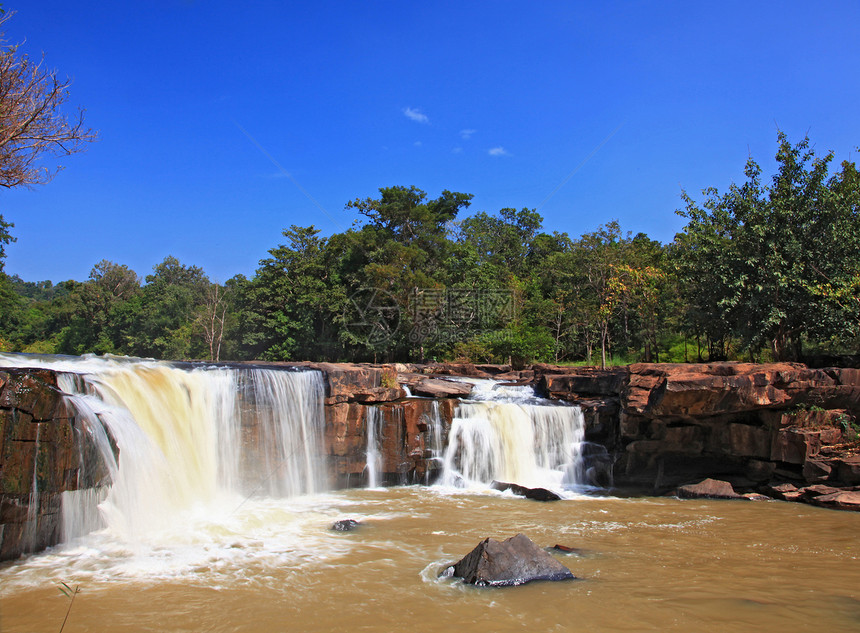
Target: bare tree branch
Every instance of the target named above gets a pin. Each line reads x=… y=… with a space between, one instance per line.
x=32 y=124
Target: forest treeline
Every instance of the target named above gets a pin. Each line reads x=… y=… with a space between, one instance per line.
x=765 y=270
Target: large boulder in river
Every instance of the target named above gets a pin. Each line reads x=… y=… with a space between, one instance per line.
x=515 y=561
x=538 y=494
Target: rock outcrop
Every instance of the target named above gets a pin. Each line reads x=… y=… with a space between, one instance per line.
x=40 y=457
x=407 y=438
x=345 y=525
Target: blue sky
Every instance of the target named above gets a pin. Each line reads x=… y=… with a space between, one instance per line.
x=221 y=124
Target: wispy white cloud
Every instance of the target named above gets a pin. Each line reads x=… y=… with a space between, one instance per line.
x=457 y=150
x=417 y=143
x=416 y=115
x=467 y=134
x=498 y=151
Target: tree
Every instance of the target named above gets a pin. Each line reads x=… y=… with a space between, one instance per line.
x=598 y=256
x=32 y=122
x=159 y=321
x=758 y=259
x=401 y=252
x=90 y=322
x=212 y=318
x=294 y=303
x=503 y=243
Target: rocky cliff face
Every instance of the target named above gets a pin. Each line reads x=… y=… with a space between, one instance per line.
x=40 y=458
x=751 y=424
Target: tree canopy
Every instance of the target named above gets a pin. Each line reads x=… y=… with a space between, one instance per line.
x=769 y=263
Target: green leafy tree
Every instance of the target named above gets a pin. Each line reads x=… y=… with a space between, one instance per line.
x=5 y=238
x=402 y=249
x=754 y=259
x=295 y=302
x=91 y=309
x=159 y=322
x=502 y=243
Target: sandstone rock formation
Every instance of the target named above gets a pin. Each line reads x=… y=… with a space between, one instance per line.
x=708 y=489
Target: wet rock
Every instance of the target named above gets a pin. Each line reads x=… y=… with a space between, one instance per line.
x=754 y=496
x=468 y=369
x=786 y=492
x=841 y=500
x=708 y=489
x=700 y=390
x=795 y=446
x=348 y=382
x=584 y=381
x=345 y=525
x=758 y=470
x=567 y=550
x=809 y=493
x=515 y=561
x=748 y=441
x=538 y=494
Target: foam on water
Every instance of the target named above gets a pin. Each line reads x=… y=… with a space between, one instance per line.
x=206 y=544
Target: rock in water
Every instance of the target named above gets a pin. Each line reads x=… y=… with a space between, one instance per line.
x=567 y=550
x=345 y=525
x=708 y=489
x=515 y=561
x=538 y=494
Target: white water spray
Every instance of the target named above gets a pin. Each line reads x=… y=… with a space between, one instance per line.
x=507 y=434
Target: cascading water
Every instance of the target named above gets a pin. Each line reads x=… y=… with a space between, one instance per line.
x=508 y=434
x=162 y=444
x=436 y=430
x=373 y=454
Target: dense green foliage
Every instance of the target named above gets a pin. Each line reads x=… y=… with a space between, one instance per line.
x=761 y=271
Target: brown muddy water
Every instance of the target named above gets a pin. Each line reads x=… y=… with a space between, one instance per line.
x=650 y=564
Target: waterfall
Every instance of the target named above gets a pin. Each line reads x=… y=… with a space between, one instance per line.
x=435 y=441
x=373 y=453
x=160 y=443
x=510 y=435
